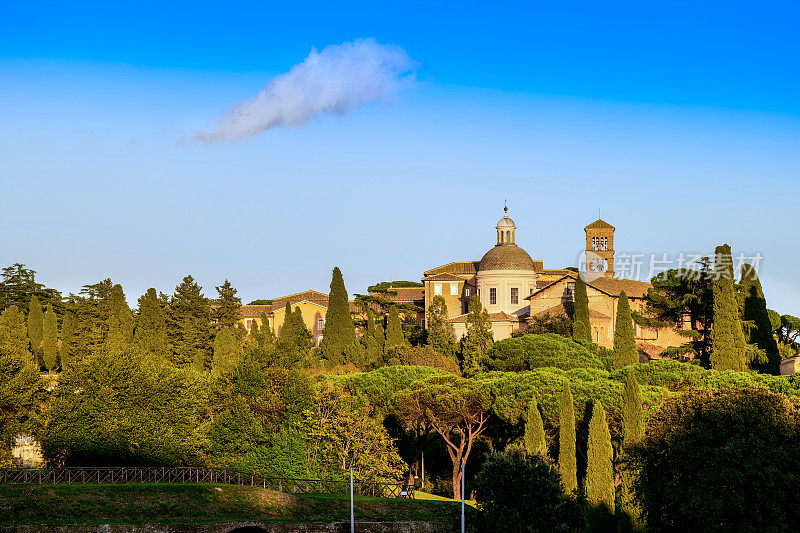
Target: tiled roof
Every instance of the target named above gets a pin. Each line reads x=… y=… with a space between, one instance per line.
x=442 y=277
x=493 y=317
x=613 y=286
x=309 y=295
x=254 y=311
x=558 y=272
x=599 y=224
x=404 y=294
x=506 y=257
x=456 y=267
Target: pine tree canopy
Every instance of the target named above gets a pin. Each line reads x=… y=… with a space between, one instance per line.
x=567 y=460
x=727 y=335
x=229 y=306
x=339 y=332
x=14 y=334
x=581 y=328
x=625 y=352
x=190 y=326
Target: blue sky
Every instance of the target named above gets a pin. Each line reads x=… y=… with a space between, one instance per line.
x=680 y=121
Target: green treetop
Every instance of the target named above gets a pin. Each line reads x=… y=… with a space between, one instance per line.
x=727 y=336
x=625 y=352
x=50 y=339
x=14 y=335
x=69 y=333
x=599 y=488
x=120 y=323
x=339 y=333
x=227 y=352
x=478 y=340
x=581 y=329
x=150 y=336
x=753 y=308
x=190 y=326
x=394 y=331
x=440 y=332
x=535 y=441
x=228 y=312
x=36 y=328
x=632 y=423
x=567 y=460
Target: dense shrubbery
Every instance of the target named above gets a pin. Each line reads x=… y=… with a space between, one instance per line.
x=721 y=460
x=539 y=351
x=520 y=494
x=126 y=410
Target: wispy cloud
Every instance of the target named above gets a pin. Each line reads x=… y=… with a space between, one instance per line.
x=336 y=80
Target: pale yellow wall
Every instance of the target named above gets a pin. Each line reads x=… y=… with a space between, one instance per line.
x=257 y=320
x=455 y=302
x=310 y=312
x=503 y=281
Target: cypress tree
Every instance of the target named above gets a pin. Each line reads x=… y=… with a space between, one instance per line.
x=36 y=329
x=50 y=339
x=287 y=337
x=69 y=333
x=303 y=336
x=229 y=310
x=120 y=323
x=440 y=332
x=150 y=336
x=753 y=307
x=535 y=441
x=727 y=336
x=478 y=339
x=372 y=344
x=581 y=328
x=632 y=423
x=567 y=459
x=339 y=333
x=14 y=334
x=599 y=467
x=394 y=331
x=625 y=352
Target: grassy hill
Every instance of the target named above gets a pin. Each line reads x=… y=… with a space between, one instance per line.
x=192 y=503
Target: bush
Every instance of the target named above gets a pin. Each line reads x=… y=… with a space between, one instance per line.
x=516 y=493
x=537 y=351
x=720 y=460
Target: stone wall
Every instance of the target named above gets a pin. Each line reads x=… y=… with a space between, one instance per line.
x=244 y=527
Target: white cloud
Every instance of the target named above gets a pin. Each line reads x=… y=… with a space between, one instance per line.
x=336 y=80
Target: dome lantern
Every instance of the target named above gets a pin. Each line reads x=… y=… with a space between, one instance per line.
x=506 y=229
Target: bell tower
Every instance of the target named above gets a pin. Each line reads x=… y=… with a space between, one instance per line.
x=600 y=247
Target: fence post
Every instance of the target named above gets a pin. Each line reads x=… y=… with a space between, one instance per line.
x=352 y=514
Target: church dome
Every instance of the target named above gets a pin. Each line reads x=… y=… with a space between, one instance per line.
x=506 y=222
x=506 y=257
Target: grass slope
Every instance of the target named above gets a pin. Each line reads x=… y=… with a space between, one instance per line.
x=193 y=503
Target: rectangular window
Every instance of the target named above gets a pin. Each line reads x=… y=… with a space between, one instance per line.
x=569 y=292
x=437 y=289
x=493 y=296
x=454 y=289
x=248 y=324
x=514 y=295
x=320 y=324
x=466 y=292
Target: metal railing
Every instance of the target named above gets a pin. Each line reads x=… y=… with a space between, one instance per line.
x=191 y=474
